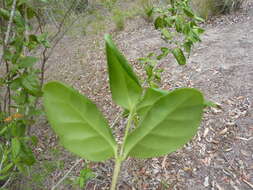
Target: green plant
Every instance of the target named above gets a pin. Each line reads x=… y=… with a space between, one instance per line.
x=21 y=87
x=148 y=9
x=119 y=19
x=21 y=37
x=109 y=3
x=86 y=174
x=165 y=120
x=179 y=28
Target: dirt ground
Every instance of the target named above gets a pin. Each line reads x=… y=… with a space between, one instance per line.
x=220 y=157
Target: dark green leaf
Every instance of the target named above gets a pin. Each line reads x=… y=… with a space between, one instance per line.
x=179 y=55
x=160 y=23
x=188 y=12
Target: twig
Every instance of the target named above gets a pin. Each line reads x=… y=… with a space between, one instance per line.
x=66 y=175
x=7 y=35
x=9 y=179
x=248 y=183
x=6 y=183
x=64 y=19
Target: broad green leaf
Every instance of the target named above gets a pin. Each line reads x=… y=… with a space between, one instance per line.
x=125 y=87
x=150 y=97
x=81 y=127
x=179 y=55
x=170 y=123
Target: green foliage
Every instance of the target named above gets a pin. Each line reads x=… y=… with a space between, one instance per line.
x=86 y=174
x=78 y=122
x=125 y=87
x=169 y=123
x=118 y=18
x=21 y=82
x=179 y=28
x=168 y=120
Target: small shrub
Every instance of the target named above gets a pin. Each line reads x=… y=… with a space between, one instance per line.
x=148 y=8
x=119 y=19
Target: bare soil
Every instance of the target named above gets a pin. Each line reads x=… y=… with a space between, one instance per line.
x=220 y=157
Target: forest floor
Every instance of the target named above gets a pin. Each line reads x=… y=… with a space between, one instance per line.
x=219 y=157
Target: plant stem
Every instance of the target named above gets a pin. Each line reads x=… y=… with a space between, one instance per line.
x=7 y=34
x=119 y=159
x=129 y=122
x=116 y=173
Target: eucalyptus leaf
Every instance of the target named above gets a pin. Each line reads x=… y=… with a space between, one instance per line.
x=81 y=127
x=169 y=124
x=125 y=87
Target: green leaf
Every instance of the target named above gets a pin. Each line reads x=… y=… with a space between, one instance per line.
x=26 y=155
x=150 y=97
x=187 y=46
x=6 y=168
x=159 y=23
x=166 y=34
x=81 y=127
x=170 y=123
x=125 y=87
x=31 y=84
x=4 y=13
x=188 y=12
x=26 y=62
x=179 y=55
x=15 y=147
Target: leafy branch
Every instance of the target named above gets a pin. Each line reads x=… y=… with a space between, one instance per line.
x=167 y=120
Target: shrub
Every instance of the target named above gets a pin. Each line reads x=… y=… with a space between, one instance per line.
x=119 y=19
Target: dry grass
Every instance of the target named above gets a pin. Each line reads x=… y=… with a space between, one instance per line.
x=207 y=8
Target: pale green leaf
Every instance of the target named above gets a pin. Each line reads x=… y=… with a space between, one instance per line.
x=170 y=123
x=81 y=127
x=125 y=87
